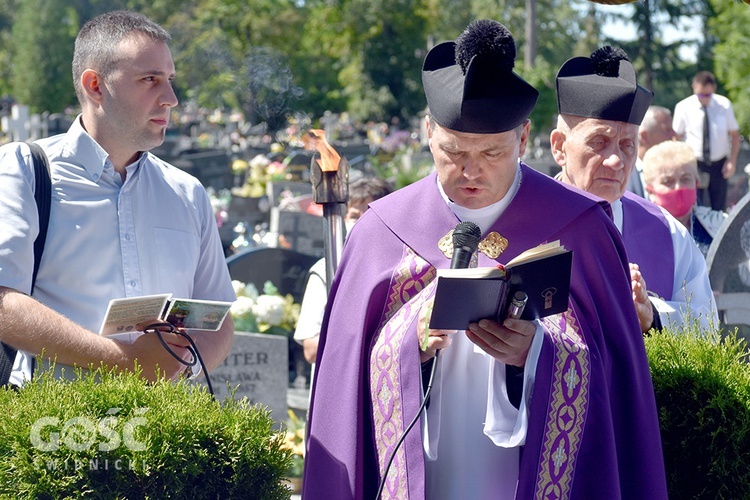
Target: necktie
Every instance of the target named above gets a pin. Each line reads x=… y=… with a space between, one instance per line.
x=706 y=137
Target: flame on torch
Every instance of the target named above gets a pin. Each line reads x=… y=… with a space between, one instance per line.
x=329 y=158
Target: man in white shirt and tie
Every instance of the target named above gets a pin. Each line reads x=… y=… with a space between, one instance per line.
x=717 y=145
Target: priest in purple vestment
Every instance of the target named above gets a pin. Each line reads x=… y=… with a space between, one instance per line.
x=561 y=407
x=596 y=144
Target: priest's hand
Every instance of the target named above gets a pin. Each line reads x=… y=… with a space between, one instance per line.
x=430 y=340
x=508 y=342
x=640 y=299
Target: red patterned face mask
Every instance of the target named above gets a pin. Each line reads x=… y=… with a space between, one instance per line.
x=677 y=202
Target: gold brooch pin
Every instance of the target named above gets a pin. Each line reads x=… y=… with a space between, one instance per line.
x=492 y=245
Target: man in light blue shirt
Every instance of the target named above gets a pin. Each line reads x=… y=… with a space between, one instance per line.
x=123 y=223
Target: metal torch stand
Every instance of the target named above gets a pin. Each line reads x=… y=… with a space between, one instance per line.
x=331 y=189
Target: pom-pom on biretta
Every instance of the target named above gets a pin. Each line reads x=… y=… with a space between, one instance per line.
x=470 y=84
x=606 y=60
x=486 y=38
x=602 y=86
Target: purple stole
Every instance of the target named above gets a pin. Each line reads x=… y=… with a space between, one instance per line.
x=645 y=232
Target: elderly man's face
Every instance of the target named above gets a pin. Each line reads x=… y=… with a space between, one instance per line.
x=597 y=156
x=476 y=170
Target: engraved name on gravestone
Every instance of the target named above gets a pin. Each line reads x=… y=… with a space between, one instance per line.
x=259 y=365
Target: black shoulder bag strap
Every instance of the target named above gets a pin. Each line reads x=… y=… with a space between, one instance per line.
x=43 y=198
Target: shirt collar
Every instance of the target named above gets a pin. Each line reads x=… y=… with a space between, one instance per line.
x=698 y=104
x=617 y=213
x=86 y=152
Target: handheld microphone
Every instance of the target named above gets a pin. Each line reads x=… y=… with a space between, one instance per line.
x=466 y=238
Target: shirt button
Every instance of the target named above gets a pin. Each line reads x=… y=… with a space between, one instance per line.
x=96 y=177
x=132 y=283
x=127 y=237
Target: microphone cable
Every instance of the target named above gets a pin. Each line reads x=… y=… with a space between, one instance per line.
x=465 y=237
x=193 y=349
x=408 y=428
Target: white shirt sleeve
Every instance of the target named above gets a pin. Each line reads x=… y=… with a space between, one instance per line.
x=692 y=298
x=678 y=120
x=313 y=304
x=505 y=424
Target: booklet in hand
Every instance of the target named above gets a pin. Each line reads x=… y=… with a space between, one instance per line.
x=126 y=316
x=465 y=296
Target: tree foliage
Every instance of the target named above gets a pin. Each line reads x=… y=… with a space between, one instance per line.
x=7 y=8
x=275 y=58
x=43 y=34
x=732 y=66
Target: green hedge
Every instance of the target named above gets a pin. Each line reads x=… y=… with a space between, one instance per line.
x=702 y=387
x=113 y=436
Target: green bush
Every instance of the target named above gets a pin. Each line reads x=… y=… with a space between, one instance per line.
x=702 y=387
x=108 y=435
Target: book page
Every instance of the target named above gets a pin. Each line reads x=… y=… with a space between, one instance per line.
x=124 y=315
x=472 y=272
x=197 y=314
x=538 y=252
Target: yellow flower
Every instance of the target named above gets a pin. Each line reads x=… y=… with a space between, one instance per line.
x=239 y=166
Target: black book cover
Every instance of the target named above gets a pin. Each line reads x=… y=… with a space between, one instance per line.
x=468 y=295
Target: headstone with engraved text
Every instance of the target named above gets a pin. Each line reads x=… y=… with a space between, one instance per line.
x=257 y=366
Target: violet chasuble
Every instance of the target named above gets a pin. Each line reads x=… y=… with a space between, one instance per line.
x=593 y=430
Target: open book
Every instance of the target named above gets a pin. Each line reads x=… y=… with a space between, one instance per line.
x=465 y=296
x=128 y=316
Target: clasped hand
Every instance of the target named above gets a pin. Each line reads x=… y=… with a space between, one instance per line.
x=508 y=342
x=154 y=357
x=640 y=298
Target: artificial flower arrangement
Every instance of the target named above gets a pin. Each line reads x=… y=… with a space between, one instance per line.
x=294 y=441
x=220 y=203
x=258 y=172
x=269 y=312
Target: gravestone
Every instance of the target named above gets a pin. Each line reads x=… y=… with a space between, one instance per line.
x=298 y=164
x=285 y=268
x=248 y=210
x=257 y=365
x=16 y=126
x=210 y=166
x=57 y=123
x=299 y=231
x=728 y=261
x=295 y=189
x=288 y=271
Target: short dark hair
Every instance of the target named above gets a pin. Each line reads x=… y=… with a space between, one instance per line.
x=704 y=78
x=372 y=188
x=97 y=41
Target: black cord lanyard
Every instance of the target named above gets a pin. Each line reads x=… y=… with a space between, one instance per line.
x=159 y=328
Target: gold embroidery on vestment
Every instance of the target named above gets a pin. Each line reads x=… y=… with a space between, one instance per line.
x=492 y=245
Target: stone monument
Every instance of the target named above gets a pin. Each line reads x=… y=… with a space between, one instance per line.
x=728 y=262
x=258 y=367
